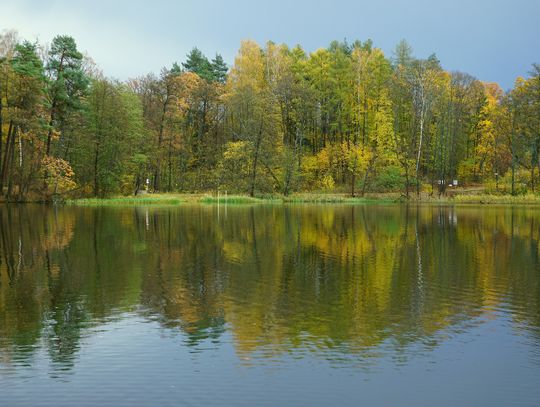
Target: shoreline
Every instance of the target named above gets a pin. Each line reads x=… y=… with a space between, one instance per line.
x=172 y=199
x=306 y=198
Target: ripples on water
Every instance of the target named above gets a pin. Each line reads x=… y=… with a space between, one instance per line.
x=269 y=305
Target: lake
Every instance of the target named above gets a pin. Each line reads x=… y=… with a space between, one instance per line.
x=278 y=305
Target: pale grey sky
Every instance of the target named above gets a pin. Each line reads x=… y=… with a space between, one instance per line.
x=494 y=40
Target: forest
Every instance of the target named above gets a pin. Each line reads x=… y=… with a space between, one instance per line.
x=343 y=119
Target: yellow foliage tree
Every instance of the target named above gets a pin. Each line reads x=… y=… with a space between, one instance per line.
x=58 y=175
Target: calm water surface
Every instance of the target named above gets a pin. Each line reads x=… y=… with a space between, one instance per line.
x=270 y=305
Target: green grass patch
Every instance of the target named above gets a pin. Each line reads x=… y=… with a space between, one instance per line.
x=333 y=198
x=302 y=198
x=176 y=199
x=234 y=199
x=486 y=199
x=136 y=200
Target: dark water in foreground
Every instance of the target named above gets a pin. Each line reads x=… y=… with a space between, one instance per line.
x=256 y=305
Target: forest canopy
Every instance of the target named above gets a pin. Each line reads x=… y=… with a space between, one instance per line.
x=346 y=118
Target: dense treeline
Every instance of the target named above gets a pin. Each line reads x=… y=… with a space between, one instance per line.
x=345 y=118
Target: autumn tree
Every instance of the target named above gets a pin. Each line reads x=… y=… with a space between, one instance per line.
x=111 y=139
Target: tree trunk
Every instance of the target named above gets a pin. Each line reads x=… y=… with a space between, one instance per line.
x=53 y=110
x=96 y=167
x=513 y=174
x=1 y=135
x=169 y=158
x=11 y=163
x=202 y=124
x=407 y=182
x=538 y=164
x=371 y=164
x=532 y=177
x=157 y=175
x=5 y=163
x=137 y=184
x=49 y=133
x=419 y=150
x=255 y=161
x=21 y=177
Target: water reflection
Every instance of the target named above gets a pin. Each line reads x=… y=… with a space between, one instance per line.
x=348 y=284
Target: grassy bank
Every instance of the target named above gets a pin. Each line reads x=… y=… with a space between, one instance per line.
x=157 y=199
x=336 y=198
x=237 y=199
x=177 y=199
x=486 y=199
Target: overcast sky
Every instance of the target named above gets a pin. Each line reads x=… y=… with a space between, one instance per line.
x=494 y=40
